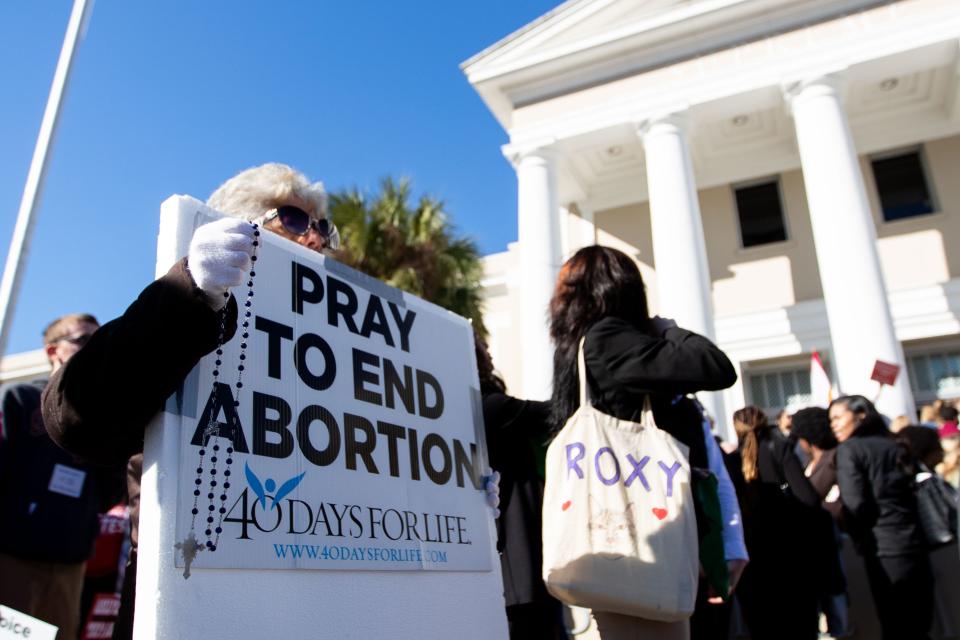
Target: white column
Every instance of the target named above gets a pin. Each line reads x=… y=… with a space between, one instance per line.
x=861 y=328
x=679 y=250
x=538 y=232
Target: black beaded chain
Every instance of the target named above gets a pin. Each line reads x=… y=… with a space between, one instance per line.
x=214 y=517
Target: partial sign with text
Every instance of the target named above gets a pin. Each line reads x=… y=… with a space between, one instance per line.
x=354 y=441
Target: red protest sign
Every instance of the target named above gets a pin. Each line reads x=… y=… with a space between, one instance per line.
x=103 y=615
x=885 y=372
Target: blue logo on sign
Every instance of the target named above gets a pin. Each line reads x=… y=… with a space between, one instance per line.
x=264 y=489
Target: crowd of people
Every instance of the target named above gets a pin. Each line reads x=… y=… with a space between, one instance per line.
x=803 y=483
x=789 y=491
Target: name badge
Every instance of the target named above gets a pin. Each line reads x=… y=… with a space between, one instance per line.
x=67 y=481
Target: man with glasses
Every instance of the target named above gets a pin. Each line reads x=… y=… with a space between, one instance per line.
x=48 y=499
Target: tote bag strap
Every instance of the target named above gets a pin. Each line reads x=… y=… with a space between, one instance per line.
x=646 y=416
x=582 y=374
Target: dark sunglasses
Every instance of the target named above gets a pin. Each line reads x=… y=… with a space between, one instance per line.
x=298 y=222
x=78 y=339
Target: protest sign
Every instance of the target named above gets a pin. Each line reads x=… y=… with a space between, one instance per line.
x=15 y=625
x=885 y=372
x=348 y=465
x=102 y=617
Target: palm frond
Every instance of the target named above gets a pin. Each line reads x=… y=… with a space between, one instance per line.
x=414 y=249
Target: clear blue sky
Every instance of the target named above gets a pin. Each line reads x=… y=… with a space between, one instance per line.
x=176 y=96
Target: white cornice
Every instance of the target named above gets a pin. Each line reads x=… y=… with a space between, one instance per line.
x=525 y=47
x=20 y=367
x=550 y=57
x=922 y=43
x=919 y=313
x=498 y=48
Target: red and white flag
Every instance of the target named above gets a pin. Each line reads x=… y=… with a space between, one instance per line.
x=821 y=392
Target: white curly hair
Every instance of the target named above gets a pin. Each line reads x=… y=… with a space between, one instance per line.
x=253 y=191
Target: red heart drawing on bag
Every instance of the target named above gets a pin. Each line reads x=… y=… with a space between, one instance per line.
x=660 y=513
x=566 y=505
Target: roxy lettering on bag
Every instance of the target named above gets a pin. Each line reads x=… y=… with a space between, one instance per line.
x=607 y=467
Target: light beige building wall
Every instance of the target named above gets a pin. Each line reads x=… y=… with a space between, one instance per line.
x=758 y=278
x=628 y=229
x=769 y=276
x=914 y=252
x=501 y=300
x=921 y=251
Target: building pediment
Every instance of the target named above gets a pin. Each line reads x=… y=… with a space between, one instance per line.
x=578 y=25
x=582 y=43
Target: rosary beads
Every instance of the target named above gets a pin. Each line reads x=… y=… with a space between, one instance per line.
x=219 y=479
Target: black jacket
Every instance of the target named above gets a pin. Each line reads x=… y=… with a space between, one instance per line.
x=44 y=519
x=624 y=364
x=880 y=508
x=99 y=403
x=780 y=505
x=515 y=429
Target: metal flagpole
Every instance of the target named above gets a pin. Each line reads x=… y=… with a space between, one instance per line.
x=22 y=232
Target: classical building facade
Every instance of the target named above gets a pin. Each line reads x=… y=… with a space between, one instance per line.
x=785 y=173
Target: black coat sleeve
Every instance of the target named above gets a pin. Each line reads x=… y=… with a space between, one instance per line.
x=855 y=492
x=799 y=483
x=501 y=411
x=98 y=404
x=679 y=362
x=12 y=415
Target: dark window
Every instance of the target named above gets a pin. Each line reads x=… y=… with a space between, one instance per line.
x=761 y=214
x=787 y=388
x=902 y=185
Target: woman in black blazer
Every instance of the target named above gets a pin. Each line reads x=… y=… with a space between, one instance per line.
x=880 y=511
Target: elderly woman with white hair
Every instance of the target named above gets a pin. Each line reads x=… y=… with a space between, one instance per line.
x=98 y=405
x=283 y=200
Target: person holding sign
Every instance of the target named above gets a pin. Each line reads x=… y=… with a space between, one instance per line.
x=600 y=297
x=98 y=407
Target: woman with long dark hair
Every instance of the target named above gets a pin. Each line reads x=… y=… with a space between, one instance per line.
x=600 y=296
x=880 y=510
x=778 y=592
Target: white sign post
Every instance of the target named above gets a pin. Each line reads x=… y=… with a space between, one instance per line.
x=353 y=508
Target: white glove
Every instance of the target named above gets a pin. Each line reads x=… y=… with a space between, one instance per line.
x=491 y=486
x=219 y=257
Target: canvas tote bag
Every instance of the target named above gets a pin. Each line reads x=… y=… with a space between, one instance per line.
x=619 y=525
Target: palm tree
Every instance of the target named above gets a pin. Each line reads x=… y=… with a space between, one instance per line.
x=413 y=249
